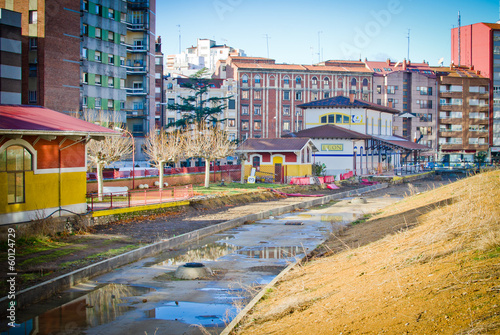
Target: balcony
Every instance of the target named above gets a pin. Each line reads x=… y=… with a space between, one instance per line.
x=141 y=26
x=137 y=91
x=135 y=70
x=136 y=113
x=137 y=4
x=135 y=48
x=450 y=133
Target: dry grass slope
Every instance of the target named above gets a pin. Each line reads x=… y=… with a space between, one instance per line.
x=442 y=276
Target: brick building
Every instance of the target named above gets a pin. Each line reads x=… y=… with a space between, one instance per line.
x=50 y=52
x=159 y=88
x=10 y=57
x=478 y=46
x=463 y=113
x=268 y=93
x=410 y=88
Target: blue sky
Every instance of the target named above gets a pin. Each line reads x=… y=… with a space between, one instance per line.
x=376 y=30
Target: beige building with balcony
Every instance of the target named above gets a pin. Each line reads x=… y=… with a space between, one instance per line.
x=463 y=113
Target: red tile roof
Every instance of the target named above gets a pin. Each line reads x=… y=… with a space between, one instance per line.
x=19 y=119
x=329 y=131
x=402 y=142
x=273 y=144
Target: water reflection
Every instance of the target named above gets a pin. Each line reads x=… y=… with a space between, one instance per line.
x=208 y=252
x=272 y=252
x=95 y=308
x=193 y=313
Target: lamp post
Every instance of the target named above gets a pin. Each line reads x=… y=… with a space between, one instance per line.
x=133 y=153
x=354 y=151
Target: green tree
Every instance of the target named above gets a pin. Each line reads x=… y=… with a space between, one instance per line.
x=197 y=108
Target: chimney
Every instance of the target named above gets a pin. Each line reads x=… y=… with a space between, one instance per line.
x=351 y=98
x=404 y=64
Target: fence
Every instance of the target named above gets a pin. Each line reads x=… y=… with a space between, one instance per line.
x=138 y=198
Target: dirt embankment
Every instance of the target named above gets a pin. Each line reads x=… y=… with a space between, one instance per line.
x=428 y=264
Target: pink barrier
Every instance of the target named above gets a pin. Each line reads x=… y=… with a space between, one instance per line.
x=329 y=179
x=300 y=181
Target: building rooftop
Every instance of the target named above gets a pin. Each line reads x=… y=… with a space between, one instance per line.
x=20 y=119
x=388 y=67
x=273 y=144
x=457 y=71
x=345 y=102
x=329 y=131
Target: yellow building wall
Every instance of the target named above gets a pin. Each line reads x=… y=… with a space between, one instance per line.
x=296 y=170
x=42 y=191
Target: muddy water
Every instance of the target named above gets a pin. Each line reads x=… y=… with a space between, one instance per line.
x=145 y=297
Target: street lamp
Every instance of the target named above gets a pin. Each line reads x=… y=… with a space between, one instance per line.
x=354 y=150
x=133 y=153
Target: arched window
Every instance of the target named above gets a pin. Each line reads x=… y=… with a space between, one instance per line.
x=365 y=82
x=353 y=82
x=244 y=79
x=257 y=79
x=314 y=80
x=15 y=160
x=286 y=80
x=326 y=81
x=298 y=80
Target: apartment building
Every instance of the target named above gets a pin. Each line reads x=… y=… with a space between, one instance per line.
x=10 y=57
x=50 y=52
x=90 y=56
x=463 y=113
x=159 y=88
x=218 y=88
x=268 y=93
x=412 y=89
x=478 y=46
x=205 y=54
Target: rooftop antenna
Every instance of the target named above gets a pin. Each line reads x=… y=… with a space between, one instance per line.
x=408 y=56
x=319 y=47
x=179 y=26
x=459 y=53
x=267 y=43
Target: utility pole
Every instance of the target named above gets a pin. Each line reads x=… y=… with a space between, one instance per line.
x=319 y=47
x=267 y=43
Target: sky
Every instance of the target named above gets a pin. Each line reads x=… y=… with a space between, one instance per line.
x=309 y=31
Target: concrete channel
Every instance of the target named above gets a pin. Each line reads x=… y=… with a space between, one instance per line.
x=137 y=292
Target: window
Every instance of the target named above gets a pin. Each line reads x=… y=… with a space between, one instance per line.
x=353 y=82
x=33 y=43
x=111 y=82
x=244 y=79
x=424 y=90
x=97 y=56
x=326 y=95
x=255 y=161
x=122 y=61
x=231 y=104
x=231 y=122
x=286 y=95
x=122 y=39
x=85 y=5
x=111 y=13
x=98 y=33
x=391 y=89
x=244 y=125
x=365 y=83
x=286 y=110
x=85 y=78
x=245 y=94
x=257 y=94
x=379 y=101
x=122 y=83
x=286 y=80
x=340 y=83
x=98 y=10
x=33 y=70
x=298 y=95
x=257 y=125
x=425 y=117
x=85 y=101
x=257 y=79
x=85 y=29
x=32 y=97
x=15 y=160
x=326 y=81
x=111 y=104
x=111 y=59
x=123 y=17
x=244 y=110
x=111 y=36
x=98 y=80
x=286 y=125
x=314 y=95
x=298 y=80
x=97 y=102
x=33 y=16
x=257 y=110
x=379 y=89
x=314 y=81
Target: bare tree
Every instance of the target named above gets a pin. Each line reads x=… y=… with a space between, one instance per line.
x=108 y=150
x=164 y=147
x=209 y=143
